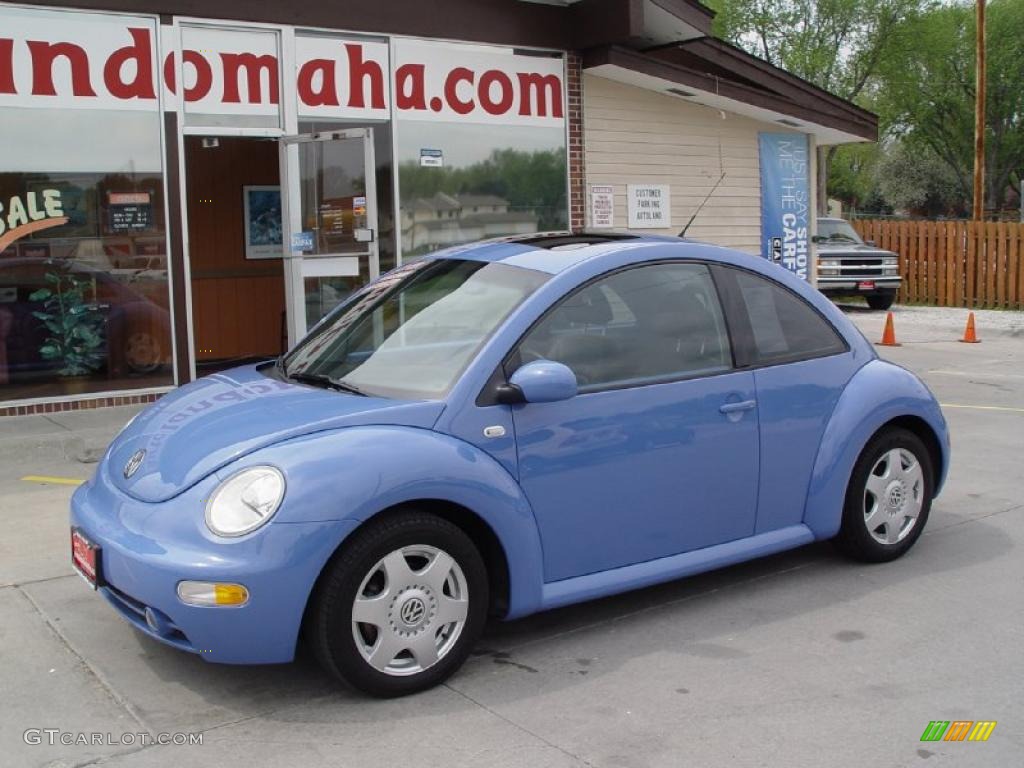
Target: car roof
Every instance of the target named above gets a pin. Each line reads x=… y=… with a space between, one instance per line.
x=553 y=252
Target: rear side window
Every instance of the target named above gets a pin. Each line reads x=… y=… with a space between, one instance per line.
x=784 y=326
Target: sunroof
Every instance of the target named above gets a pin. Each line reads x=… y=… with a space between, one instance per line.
x=553 y=240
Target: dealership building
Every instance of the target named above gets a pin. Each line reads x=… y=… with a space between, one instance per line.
x=185 y=186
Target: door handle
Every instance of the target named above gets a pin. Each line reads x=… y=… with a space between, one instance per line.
x=743 y=405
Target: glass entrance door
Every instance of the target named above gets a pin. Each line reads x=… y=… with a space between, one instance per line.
x=330 y=215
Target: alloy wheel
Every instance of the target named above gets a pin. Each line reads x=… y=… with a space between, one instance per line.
x=893 y=496
x=410 y=610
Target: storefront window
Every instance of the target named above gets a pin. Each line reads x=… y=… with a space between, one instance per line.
x=486 y=154
x=83 y=261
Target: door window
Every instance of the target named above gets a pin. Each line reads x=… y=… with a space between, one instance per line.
x=784 y=326
x=639 y=326
x=331 y=183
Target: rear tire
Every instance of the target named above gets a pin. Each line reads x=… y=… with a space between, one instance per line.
x=888 y=498
x=881 y=300
x=400 y=606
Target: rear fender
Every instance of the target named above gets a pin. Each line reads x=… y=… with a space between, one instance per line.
x=878 y=393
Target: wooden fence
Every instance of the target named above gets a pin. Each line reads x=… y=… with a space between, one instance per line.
x=954 y=263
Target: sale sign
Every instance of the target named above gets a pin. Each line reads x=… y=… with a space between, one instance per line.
x=23 y=215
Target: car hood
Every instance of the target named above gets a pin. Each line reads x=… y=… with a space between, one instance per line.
x=832 y=250
x=200 y=427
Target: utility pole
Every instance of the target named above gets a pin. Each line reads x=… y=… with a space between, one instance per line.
x=979 y=115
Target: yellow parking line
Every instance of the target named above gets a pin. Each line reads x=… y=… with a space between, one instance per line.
x=47 y=480
x=984 y=407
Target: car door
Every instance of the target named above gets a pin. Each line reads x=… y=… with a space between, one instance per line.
x=658 y=453
x=801 y=365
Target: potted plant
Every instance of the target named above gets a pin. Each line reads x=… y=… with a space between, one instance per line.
x=75 y=325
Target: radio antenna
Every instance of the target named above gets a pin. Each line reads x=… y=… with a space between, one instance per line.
x=721 y=167
x=702 y=204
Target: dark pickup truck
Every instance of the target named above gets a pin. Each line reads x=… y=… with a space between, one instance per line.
x=848 y=266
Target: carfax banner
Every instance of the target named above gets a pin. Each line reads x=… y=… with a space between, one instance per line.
x=785 y=200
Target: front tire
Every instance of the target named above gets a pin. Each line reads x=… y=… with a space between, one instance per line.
x=881 y=300
x=399 y=608
x=888 y=498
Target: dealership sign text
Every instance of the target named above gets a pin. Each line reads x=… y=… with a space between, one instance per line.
x=123 y=64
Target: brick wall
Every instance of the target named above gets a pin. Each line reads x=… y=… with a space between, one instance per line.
x=78 y=405
x=577 y=195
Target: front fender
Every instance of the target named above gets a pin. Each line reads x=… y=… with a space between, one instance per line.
x=878 y=393
x=356 y=472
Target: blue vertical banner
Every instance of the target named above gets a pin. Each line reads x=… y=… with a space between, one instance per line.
x=785 y=200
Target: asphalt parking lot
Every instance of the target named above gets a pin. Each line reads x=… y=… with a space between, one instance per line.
x=801 y=659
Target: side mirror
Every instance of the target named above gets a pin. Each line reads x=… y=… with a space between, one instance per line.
x=542 y=381
x=872 y=243
x=819 y=239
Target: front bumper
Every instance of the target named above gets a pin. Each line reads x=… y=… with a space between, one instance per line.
x=851 y=285
x=149 y=548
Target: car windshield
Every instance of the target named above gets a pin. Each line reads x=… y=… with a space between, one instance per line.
x=838 y=231
x=412 y=333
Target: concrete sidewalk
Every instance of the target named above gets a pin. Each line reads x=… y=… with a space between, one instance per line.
x=80 y=436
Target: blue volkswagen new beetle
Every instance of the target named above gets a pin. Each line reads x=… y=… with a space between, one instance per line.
x=500 y=429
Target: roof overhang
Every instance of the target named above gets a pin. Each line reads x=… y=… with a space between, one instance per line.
x=637 y=23
x=712 y=73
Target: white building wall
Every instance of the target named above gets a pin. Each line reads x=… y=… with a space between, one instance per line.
x=633 y=135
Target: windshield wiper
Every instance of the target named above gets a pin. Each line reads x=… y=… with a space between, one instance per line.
x=323 y=380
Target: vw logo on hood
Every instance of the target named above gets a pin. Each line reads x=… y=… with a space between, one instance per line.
x=134 y=463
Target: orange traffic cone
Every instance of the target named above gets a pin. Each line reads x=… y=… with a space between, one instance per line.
x=970 y=337
x=889 y=334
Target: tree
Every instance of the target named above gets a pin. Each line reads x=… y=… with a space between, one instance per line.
x=835 y=44
x=918 y=181
x=852 y=177
x=839 y=45
x=927 y=90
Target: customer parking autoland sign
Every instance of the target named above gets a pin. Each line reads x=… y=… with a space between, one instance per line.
x=648 y=206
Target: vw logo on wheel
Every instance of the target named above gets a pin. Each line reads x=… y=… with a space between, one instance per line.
x=134 y=463
x=413 y=610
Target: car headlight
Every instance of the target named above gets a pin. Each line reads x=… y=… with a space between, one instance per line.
x=245 y=501
x=828 y=263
